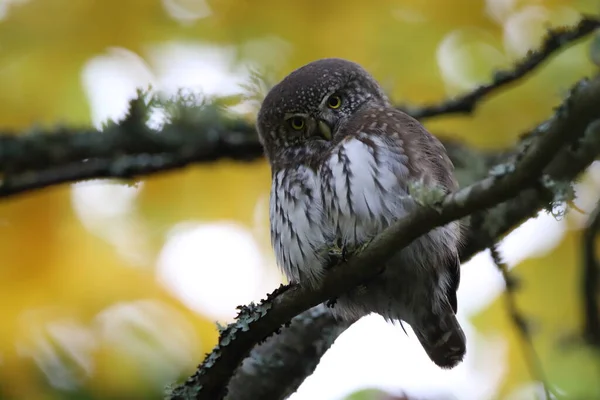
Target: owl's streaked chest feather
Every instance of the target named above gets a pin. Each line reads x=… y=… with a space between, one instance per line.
x=356 y=193
x=298 y=231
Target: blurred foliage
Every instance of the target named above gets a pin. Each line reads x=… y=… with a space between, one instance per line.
x=84 y=315
x=549 y=296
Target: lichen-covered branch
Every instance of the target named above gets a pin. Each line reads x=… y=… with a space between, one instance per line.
x=486 y=228
x=276 y=368
x=564 y=130
x=124 y=150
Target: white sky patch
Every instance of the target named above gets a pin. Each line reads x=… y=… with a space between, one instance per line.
x=210 y=70
x=110 y=81
x=95 y=201
x=107 y=209
x=536 y=237
x=499 y=10
x=373 y=353
x=524 y=29
x=212 y=268
x=460 y=54
x=587 y=196
x=6 y=5
x=481 y=282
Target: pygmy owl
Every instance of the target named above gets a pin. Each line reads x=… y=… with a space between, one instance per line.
x=343 y=161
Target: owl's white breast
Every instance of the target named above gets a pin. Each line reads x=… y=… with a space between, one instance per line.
x=368 y=185
x=356 y=193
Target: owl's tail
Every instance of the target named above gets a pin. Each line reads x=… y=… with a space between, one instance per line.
x=442 y=338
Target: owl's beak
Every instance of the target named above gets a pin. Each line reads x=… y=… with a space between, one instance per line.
x=324 y=129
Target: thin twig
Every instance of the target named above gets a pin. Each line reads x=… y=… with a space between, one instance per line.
x=531 y=358
x=555 y=40
x=591 y=279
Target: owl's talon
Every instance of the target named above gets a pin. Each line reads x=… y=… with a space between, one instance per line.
x=344 y=253
x=331 y=303
x=339 y=250
x=363 y=246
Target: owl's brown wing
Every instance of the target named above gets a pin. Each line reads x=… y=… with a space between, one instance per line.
x=427 y=155
x=430 y=161
x=426 y=159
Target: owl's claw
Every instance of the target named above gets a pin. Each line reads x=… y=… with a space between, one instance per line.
x=344 y=253
x=331 y=303
x=363 y=246
x=339 y=251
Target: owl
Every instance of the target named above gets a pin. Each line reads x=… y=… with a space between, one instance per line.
x=343 y=162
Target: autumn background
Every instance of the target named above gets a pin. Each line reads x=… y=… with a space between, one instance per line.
x=112 y=290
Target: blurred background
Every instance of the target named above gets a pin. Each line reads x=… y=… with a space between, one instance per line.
x=112 y=290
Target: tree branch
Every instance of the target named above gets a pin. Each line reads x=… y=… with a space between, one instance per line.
x=257 y=322
x=286 y=358
x=555 y=40
x=124 y=150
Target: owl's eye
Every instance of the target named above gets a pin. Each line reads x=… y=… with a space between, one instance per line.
x=334 y=102
x=297 y=123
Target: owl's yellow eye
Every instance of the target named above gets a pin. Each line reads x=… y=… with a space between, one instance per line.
x=334 y=102
x=297 y=123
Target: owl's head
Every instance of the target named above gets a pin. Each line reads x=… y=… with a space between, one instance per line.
x=312 y=104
